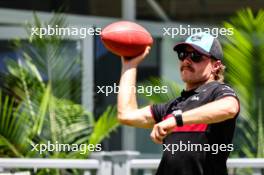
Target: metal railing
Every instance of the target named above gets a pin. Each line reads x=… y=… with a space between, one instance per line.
x=114 y=163
x=150 y=165
x=32 y=163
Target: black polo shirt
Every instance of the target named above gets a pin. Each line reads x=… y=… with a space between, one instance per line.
x=195 y=149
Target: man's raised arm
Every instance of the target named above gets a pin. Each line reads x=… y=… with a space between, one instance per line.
x=128 y=112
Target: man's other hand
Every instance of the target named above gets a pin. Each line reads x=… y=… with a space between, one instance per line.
x=162 y=129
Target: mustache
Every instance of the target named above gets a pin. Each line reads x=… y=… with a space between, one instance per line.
x=190 y=68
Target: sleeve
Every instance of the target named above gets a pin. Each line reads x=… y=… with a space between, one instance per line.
x=158 y=111
x=224 y=90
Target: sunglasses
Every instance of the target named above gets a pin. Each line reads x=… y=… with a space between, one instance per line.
x=195 y=56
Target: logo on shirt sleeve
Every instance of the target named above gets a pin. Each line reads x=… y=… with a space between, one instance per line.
x=195 y=98
x=227 y=88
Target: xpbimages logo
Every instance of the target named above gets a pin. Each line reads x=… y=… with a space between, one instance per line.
x=148 y=90
x=183 y=30
x=191 y=147
x=81 y=32
x=62 y=147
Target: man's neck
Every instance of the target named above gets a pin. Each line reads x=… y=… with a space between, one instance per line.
x=190 y=86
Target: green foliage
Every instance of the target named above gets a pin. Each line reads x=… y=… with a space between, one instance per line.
x=105 y=125
x=13 y=133
x=244 y=57
x=46 y=109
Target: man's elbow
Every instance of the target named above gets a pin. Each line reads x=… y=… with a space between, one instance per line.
x=233 y=112
x=232 y=107
x=123 y=118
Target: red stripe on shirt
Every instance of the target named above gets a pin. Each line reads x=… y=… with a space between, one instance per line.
x=188 y=128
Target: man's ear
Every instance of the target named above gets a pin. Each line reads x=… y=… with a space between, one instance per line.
x=216 y=66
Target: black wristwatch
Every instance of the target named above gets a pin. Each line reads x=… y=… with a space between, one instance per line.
x=178 y=117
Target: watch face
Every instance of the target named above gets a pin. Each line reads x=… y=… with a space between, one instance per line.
x=178 y=117
x=177 y=112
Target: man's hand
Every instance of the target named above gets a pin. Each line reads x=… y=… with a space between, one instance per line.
x=162 y=129
x=133 y=62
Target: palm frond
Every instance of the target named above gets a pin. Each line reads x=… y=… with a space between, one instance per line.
x=106 y=123
x=38 y=124
x=13 y=133
x=243 y=52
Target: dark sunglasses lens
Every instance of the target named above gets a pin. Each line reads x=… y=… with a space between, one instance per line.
x=196 y=57
x=181 y=55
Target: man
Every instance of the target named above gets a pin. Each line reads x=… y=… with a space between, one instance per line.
x=202 y=119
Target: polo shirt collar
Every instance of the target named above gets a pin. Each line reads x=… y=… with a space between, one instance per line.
x=198 y=90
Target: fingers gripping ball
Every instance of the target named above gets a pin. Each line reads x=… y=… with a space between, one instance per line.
x=126 y=38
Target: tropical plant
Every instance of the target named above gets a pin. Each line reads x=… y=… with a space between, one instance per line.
x=244 y=58
x=13 y=131
x=45 y=84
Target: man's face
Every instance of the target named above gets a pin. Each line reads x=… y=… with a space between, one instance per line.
x=196 y=72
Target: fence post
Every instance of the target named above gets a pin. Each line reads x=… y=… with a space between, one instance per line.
x=105 y=167
x=121 y=161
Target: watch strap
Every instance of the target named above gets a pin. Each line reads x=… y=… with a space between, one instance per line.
x=178 y=117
